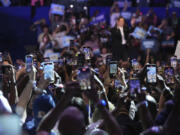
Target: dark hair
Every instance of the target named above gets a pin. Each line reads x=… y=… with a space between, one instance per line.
x=63 y=28
x=120 y=17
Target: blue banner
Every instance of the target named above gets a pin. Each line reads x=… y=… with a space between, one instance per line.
x=66 y=40
x=139 y=33
x=150 y=44
x=98 y=19
x=57 y=9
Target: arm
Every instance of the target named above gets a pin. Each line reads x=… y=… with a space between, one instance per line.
x=145 y=115
x=13 y=89
x=110 y=122
x=172 y=122
x=25 y=97
x=49 y=122
x=147 y=56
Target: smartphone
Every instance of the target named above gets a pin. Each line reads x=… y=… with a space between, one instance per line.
x=84 y=78
x=80 y=60
x=29 y=62
x=1 y=79
x=134 y=83
x=173 y=61
x=87 y=53
x=135 y=64
x=49 y=71
x=117 y=84
x=113 y=67
x=1 y=59
x=169 y=75
x=151 y=74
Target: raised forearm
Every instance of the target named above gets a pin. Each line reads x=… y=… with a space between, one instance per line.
x=110 y=122
x=49 y=122
x=145 y=116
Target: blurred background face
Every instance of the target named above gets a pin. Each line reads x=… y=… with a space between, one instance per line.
x=120 y=22
x=45 y=30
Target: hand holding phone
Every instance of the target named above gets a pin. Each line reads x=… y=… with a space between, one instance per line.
x=49 y=71
x=29 y=63
x=133 y=85
x=135 y=64
x=173 y=62
x=169 y=75
x=84 y=78
x=113 y=69
x=151 y=76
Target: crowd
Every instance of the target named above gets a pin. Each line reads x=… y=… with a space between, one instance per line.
x=91 y=78
x=141 y=3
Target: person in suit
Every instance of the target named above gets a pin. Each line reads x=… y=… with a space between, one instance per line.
x=119 y=36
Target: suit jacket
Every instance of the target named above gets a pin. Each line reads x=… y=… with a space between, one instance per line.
x=116 y=36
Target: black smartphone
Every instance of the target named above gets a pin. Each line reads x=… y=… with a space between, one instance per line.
x=113 y=69
x=1 y=59
x=174 y=62
x=80 y=60
x=71 y=43
x=84 y=78
x=169 y=75
x=29 y=62
x=151 y=76
x=135 y=64
x=134 y=83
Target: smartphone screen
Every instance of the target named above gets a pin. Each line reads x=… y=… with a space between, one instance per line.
x=84 y=76
x=151 y=74
x=134 y=84
x=117 y=84
x=113 y=68
x=173 y=62
x=49 y=71
x=1 y=57
x=169 y=75
x=87 y=53
x=135 y=64
x=29 y=62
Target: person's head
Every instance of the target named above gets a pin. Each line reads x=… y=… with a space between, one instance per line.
x=133 y=21
x=72 y=122
x=120 y=22
x=174 y=14
x=117 y=10
x=46 y=38
x=56 y=17
x=63 y=28
x=41 y=106
x=164 y=22
x=104 y=50
x=45 y=29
